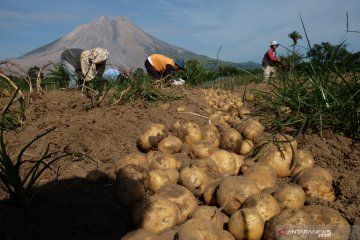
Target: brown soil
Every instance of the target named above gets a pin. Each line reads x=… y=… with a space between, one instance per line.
x=67 y=205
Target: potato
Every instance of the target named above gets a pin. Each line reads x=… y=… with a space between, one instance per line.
x=247 y=164
x=201 y=149
x=160 y=178
x=264 y=203
x=190 y=132
x=290 y=196
x=195 y=179
x=327 y=218
x=246 y=146
x=136 y=158
x=231 y=140
x=252 y=130
x=246 y=224
x=225 y=235
x=128 y=192
x=289 y=219
x=280 y=156
x=140 y=234
x=209 y=194
x=212 y=213
x=185 y=201
x=211 y=134
x=153 y=134
x=162 y=161
x=170 y=144
x=135 y=172
x=199 y=229
x=317 y=183
x=225 y=161
x=239 y=162
x=207 y=164
x=262 y=174
x=155 y=213
x=304 y=160
x=233 y=191
x=244 y=112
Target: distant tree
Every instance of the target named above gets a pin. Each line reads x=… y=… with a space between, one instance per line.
x=295 y=36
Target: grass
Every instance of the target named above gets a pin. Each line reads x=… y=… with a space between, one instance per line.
x=316 y=99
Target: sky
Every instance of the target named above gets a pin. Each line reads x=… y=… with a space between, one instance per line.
x=232 y=30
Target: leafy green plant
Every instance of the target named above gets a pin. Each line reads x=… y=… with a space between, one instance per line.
x=20 y=188
x=139 y=86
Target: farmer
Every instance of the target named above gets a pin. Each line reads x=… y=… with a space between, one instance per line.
x=269 y=60
x=83 y=65
x=159 y=66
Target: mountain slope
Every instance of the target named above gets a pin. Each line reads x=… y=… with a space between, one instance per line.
x=128 y=45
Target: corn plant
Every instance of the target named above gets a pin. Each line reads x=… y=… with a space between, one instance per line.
x=18 y=186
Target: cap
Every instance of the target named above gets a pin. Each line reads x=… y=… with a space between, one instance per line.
x=180 y=63
x=272 y=43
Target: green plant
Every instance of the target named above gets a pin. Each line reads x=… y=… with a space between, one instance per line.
x=17 y=186
x=139 y=86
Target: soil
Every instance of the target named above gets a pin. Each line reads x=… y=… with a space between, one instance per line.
x=70 y=204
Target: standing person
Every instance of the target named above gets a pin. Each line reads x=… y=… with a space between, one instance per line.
x=269 y=60
x=83 y=65
x=159 y=66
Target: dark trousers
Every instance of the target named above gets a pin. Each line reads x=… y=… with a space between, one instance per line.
x=151 y=70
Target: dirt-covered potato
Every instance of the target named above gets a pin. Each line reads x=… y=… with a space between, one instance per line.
x=316 y=183
x=246 y=146
x=212 y=213
x=264 y=203
x=304 y=160
x=280 y=155
x=153 y=134
x=140 y=234
x=182 y=197
x=162 y=161
x=197 y=228
x=160 y=178
x=247 y=164
x=155 y=213
x=136 y=158
x=170 y=144
x=135 y=172
x=201 y=149
x=128 y=192
x=239 y=162
x=327 y=218
x=225 y=235
x=195 y=179
x=289 y=219
x=190 y=132
x=233 y=191
x=209 y=194
x=290 y=196
x=207 y=164
x=262 y=174
x=225 y=161
x=231 y=140
x=246 y=223
x=211 y=134
x=252 y=130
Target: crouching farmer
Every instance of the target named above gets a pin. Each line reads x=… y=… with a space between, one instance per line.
x=82 y=66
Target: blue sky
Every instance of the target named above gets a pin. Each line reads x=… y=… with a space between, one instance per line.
x=242 y=28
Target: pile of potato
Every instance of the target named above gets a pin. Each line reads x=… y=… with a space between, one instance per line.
x=219 y=190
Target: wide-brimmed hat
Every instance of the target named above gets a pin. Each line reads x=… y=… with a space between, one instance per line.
x=180 y=63
x=274 y=43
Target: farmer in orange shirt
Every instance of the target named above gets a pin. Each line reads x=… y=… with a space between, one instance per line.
x=159 y=66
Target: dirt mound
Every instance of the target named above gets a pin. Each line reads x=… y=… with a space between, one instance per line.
x=68 y=206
